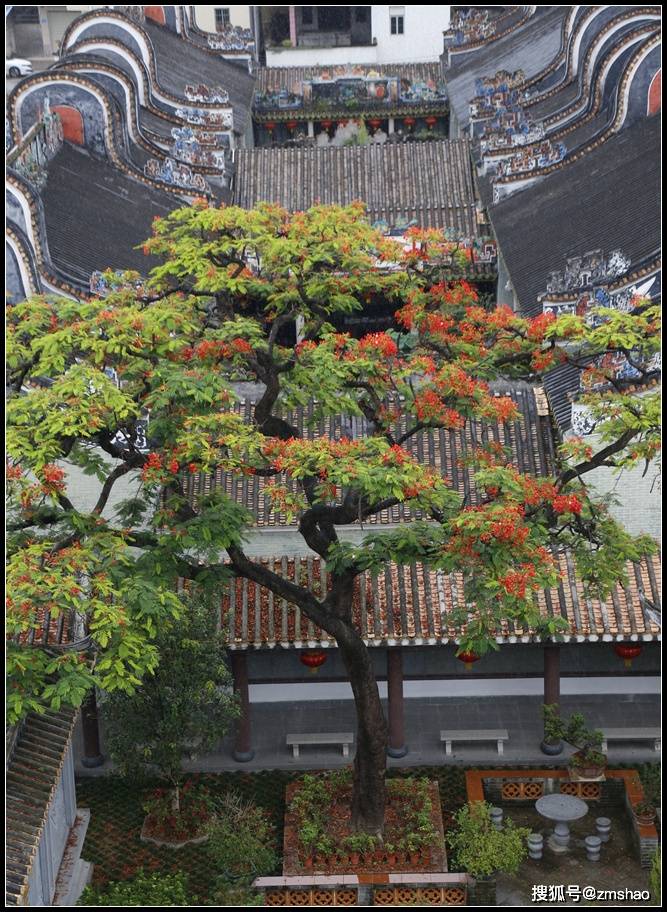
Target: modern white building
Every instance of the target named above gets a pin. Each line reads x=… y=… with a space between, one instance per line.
x=333 y=35
x=215 y=18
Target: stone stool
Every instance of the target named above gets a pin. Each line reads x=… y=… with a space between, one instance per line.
x=603 y=827
x=535 y=846
x=497 y=818
x=592 y=844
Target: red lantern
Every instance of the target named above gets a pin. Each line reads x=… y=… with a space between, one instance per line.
x=270 y=126
x=468 y=658
x=313 y=659
x=627 y=652
x=292 y=125
x=409 y=122
x=327 y=124
x=375 y=123
x=430 y=122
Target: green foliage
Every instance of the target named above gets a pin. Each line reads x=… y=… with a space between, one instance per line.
x=480 y=849
x=651 y=779
x=143 y=890
x=655 y=878
x=241 y=840
x=574 y=731
x=184 y=707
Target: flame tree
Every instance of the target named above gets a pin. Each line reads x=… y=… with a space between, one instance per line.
x=222 y=308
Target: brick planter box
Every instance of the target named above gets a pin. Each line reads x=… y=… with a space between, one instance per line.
x=293 y=865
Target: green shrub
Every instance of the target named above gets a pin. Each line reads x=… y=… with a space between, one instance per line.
x=650 y=773
x=143 y=890
x=241 y=839
x=480 y=849
x=654 y=879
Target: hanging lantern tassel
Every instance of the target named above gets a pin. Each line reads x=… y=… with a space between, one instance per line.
x=468 y=658
x=627 y=652
x=313 y=659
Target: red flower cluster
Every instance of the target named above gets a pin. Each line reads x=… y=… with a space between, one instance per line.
x=430 y=408
x=380 y=343
x=435 y=323
x=504 y=409
x=214 y=349
x=53 y=477
x=396 y=455
x=516 y=582
x=567 y=503
x=454 y=293
x=542 y=360
x=153 y=464
x=538 y=326
x=306 y=345
x=509 y=530
x=535 y=491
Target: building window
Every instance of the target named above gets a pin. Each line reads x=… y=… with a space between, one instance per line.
x=221 y=18
x=397 y=24
x=306 y=15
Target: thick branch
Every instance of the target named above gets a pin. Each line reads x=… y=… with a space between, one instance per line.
x=599 y=459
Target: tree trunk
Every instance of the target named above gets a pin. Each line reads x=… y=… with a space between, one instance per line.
x=370 y=762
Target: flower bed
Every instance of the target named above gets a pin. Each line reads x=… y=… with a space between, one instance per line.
x=319 y=836
x=173 y=823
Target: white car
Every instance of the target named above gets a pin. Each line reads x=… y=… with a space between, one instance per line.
x=16 y=67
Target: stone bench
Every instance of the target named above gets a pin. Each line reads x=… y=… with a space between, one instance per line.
x=631 y=734
x=345 y=739
x=474 y=734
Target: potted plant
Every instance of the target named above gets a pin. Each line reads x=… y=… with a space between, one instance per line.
x=588 y=761
x=644 y=812
x=357 y=845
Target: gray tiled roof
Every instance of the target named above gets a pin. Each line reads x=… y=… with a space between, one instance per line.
x=431 y=182
x=95 y=214
x=275 y=78
x=35 y=762
x=180 y=63
x=606 y=200
x=529 y=48
x=530 y=441
x=412 y=605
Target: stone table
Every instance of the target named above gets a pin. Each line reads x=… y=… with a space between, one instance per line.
x=562 y=809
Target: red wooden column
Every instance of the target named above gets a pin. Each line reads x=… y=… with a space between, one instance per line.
x=243 y=751
x=92 y=755
x=396 y=746
x=292 y=25
x=551 y=693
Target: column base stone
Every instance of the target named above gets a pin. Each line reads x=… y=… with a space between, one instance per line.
x=243 y=756
x=397 y=752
